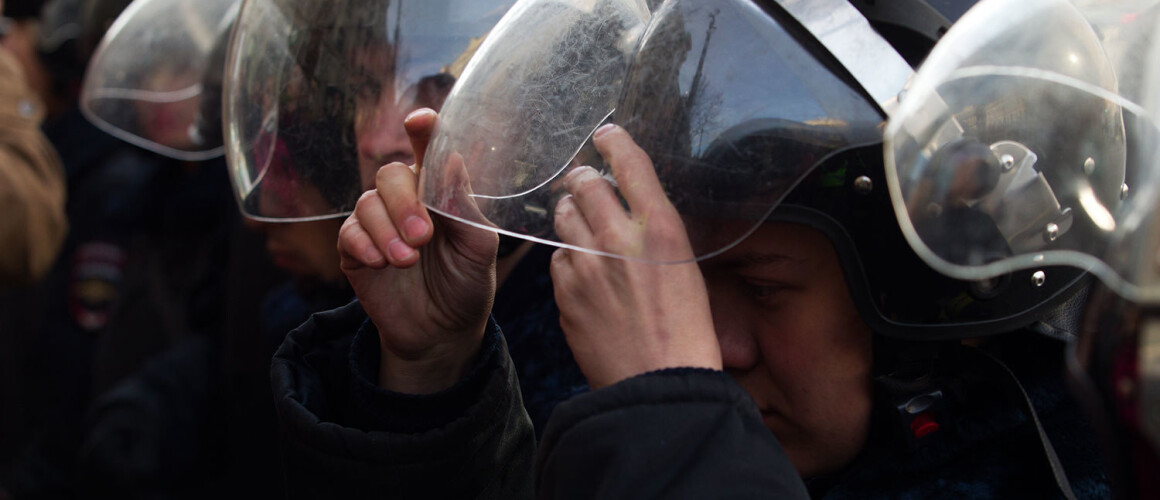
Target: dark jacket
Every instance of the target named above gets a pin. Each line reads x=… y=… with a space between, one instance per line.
x=525 y=309
x=693 y=433
x=985 y=444
x=193 y=423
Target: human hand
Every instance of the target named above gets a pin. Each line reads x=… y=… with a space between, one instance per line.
x=623 y=317
x=426 y=283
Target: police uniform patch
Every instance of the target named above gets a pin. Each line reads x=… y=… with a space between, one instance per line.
x=95 y=283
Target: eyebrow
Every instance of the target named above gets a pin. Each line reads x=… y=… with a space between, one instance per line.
x=755 y=259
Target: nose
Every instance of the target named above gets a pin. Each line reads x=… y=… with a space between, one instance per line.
x=739 y=350
x=382 y=138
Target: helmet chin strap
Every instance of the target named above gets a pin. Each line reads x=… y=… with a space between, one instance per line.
x=1014 y=390
x=911 y=398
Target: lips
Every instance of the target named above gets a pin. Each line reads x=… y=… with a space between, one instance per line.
x=283 y=260
x=281 y=257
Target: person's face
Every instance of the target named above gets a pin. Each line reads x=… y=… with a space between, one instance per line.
x=303 y=249
x=380 y=108
x=168 y=123
x=791 y=336
x=378 y=122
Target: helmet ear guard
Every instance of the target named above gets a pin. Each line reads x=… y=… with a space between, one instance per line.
x=990 y=182
x=897 y=294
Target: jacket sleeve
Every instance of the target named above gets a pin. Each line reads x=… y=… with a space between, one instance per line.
x=679 y=433
x=32 y=185
x=344 y=437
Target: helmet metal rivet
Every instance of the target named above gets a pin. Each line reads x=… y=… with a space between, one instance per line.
x=1123 y=191
x=1089 y=166
x=1051 y=232
x=863 y=185
x=1038 y=278
x=1007 y=162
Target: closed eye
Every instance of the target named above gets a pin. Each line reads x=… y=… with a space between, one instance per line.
x=766 y=293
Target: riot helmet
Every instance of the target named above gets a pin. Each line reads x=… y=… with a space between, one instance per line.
x=1114 y=366
x=316 y=92
x=778 y=117
x=1056 y=205
x=155 y=79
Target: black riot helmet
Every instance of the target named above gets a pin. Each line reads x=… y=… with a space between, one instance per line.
x=771 y=110
x=1114 y=366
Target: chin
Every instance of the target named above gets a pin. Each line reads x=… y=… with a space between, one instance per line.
x=811 y=458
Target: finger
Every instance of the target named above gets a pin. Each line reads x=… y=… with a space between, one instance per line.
x=376 y=222
x=397 y=188
x=634 y=172
x=356 y=249
x=571 y=226
x=596 y=200
x=562 y=272
x=420 y=124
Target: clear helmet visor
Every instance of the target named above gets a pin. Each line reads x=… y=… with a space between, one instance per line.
x=732 y=107
x=316 y=94
x=155 y=78
x=1019 y=143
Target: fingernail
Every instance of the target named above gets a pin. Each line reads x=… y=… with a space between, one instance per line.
x=415 y=227
x=372 y=257
x=418 y=112
x=563 y=201
x=581 y=171
x=399 y=250
x=604 y=129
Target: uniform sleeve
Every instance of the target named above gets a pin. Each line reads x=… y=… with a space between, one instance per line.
x=682 y=433
x=32 y=185
x=344 y=437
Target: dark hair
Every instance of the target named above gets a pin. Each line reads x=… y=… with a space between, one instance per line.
x=23 y=9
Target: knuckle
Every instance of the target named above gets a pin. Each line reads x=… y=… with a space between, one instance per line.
x=667 y=226
x=615 y=240
x=364 y=203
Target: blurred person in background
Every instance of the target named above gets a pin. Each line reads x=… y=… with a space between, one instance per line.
x=32 y=210
x=140 y=270
x=199 y=417
x=32 y=190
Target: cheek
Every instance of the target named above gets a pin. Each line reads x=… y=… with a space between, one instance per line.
x=320 y=246
x=816 y=339
x=820 y=362
x=819 y=365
